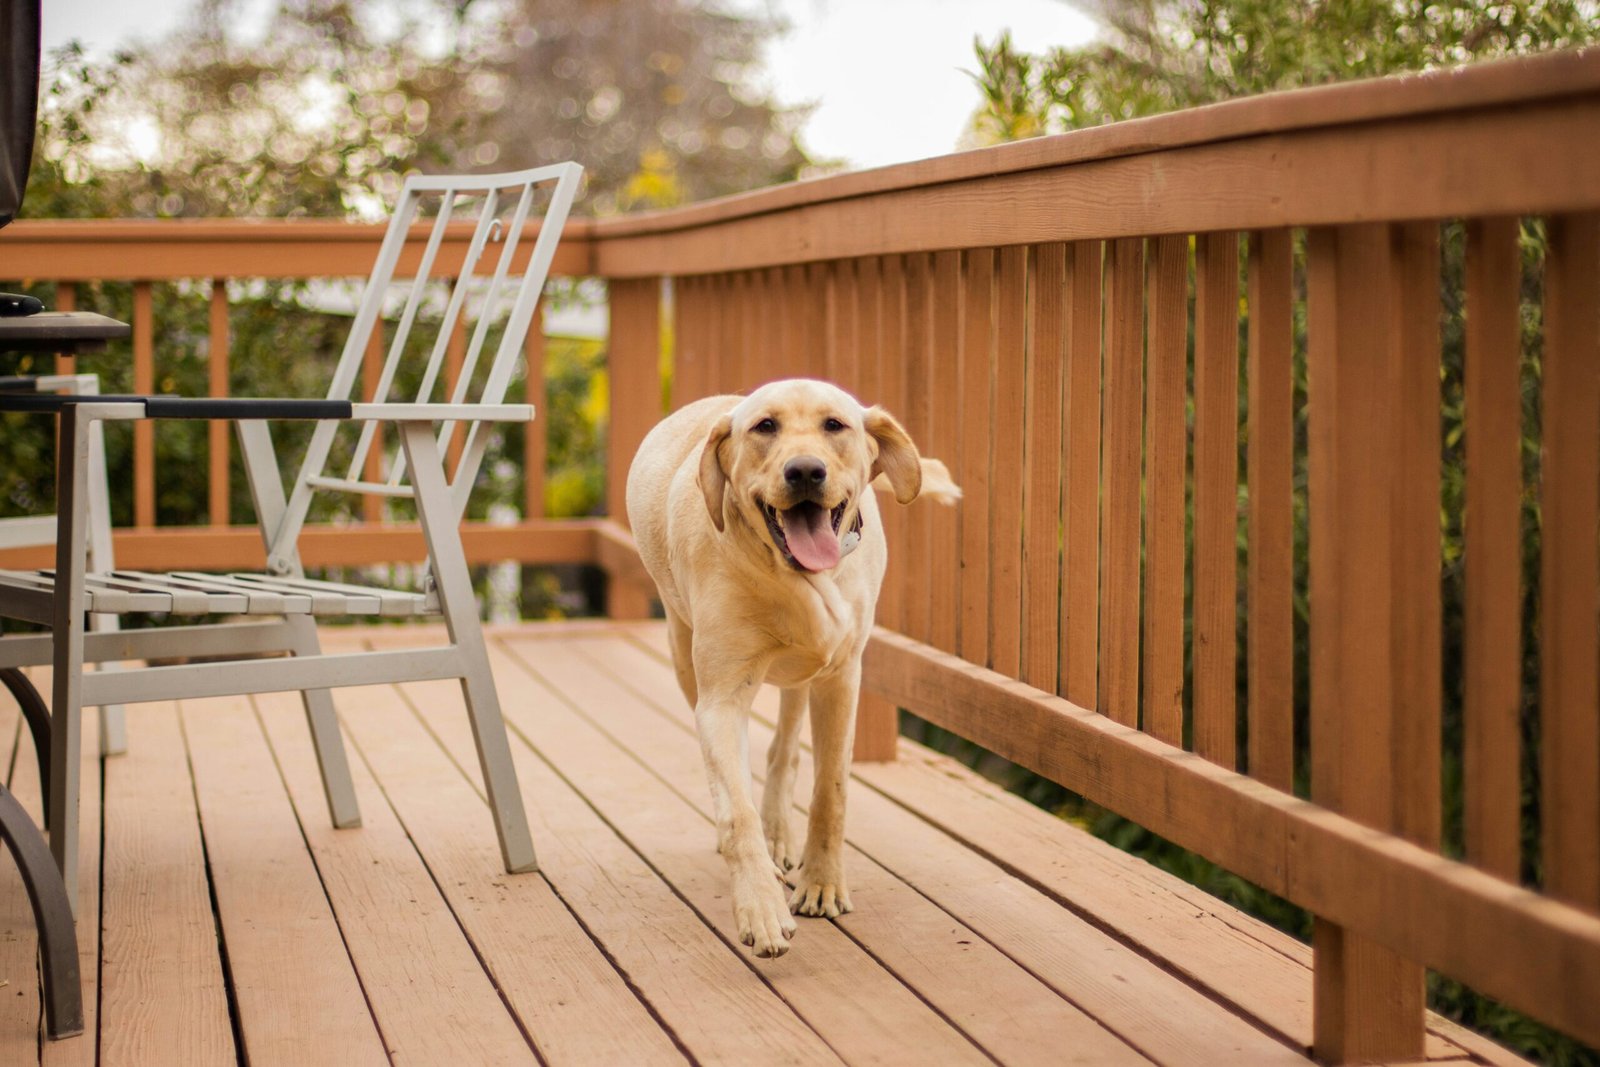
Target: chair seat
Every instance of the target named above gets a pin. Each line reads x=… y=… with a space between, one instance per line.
x=194 y=593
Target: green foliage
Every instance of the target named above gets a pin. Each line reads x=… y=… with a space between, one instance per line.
x=1162 y=55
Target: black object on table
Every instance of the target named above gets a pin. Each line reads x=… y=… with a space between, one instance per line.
x=67 y=332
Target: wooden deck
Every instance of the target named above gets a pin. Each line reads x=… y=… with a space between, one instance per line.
x=235 y=925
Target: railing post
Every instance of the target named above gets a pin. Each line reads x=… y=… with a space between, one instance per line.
x=1370 y=598
x=634 y=356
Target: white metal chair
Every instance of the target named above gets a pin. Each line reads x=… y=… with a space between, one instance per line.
x=501 y=210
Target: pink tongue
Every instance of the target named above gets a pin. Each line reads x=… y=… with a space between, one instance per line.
x=811 y=539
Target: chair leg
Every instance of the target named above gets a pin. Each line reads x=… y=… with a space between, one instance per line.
x=454 y=584
x=37 y=717
x=494 y=760
x=52 y=914
x=67 y=625
x=337 y=785
x=113 y=724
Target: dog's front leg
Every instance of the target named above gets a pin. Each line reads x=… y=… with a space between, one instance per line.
x=783 y=760
x=722 y=716
x=820 y=888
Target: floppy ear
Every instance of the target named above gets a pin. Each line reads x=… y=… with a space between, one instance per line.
x=713 y=479
x=897 y=457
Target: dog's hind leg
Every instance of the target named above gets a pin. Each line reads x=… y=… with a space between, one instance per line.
x=820 y=887
x=783 y=760
x=681 y=640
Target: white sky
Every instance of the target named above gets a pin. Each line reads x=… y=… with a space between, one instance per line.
x=887 y=76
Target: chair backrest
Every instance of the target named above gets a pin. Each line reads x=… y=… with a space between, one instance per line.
x=515 y=222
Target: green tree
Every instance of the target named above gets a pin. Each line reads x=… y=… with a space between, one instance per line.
x=341 y=98
x=1161 y=55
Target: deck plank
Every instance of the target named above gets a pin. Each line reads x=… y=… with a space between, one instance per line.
x=1262 y=971
x=162 y=998
x=1014 y=1016
x=862 y=1010
x=1195 y=933
x=718 y=1009
x=430 y=995
x=293 y=981
x=575 y=1006
x=1157 y=1013
x=986 y=930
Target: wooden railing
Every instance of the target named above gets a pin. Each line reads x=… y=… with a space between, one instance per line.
x=1027 y=310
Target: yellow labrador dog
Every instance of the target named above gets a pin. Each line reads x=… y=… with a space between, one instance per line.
x=756 y=518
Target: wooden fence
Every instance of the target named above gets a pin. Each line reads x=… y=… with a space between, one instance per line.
x=1061 y=320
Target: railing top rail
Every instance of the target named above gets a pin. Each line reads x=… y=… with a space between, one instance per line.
x=267 y=230
x=1568 y=73
x=1506 y=137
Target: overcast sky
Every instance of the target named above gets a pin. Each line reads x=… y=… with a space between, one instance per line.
x=887 y=76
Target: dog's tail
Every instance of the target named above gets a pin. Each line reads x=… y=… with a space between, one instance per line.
x=937 y=485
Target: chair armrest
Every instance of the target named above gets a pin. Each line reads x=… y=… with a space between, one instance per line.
x=442 y=412
x=184 y=407
x=254 y=408
x=53 y=402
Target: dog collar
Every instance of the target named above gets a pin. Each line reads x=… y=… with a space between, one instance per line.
x=851 y=539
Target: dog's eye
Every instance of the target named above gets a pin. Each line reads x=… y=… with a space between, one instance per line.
x=833 y=425
x=765 y=426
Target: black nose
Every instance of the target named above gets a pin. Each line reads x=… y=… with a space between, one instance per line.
x=804 y=472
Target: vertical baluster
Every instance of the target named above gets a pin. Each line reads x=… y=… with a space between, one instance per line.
x=945 y=443
x=217 y=430
x=144 y=442
x=977 y=366
x=1041 y=544
x=916 y=387
x=1119 y=527
x=891 y=394
x=1568 y=578
x=841 y=321
x=1415 y=591
x=372 y=471
x=1271 y=518
x=1080 y=602
x=1166 y=461
x=454 y=354
x=1216 y=494
x=1005 y=488
x=66 y=300
x=535 y=440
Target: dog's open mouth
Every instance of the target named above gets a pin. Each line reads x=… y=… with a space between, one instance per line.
x=807 y=534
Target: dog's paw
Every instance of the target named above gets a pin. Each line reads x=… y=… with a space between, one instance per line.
x=785 y=855
x=825 y=899
x=765 y=925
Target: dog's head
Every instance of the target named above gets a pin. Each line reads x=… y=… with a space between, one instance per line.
x=792 y=462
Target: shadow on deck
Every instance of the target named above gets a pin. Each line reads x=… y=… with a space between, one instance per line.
x=235 y=925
